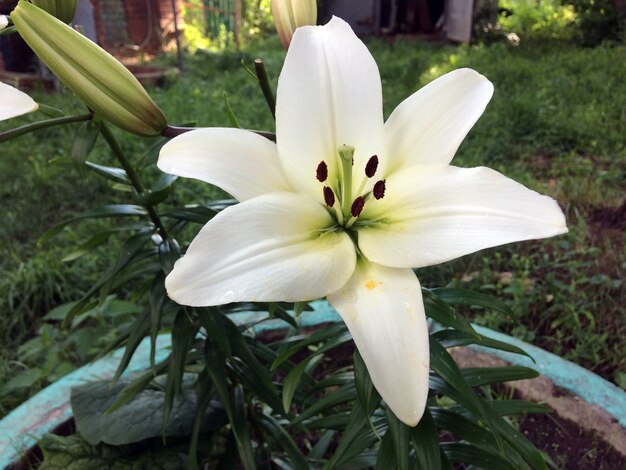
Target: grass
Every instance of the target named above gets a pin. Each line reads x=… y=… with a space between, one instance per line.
x=557 y=123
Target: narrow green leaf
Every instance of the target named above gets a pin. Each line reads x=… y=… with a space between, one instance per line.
x=228 y=460
x=87 y=247
x=240 y=426
x=442 y=363
x=356 y=425
x=479 y=376
x=470 y=298
x=462 y=427
x=211 y=321
x=386 y=455
x=203 y=392
x=365 y=391
x=299 y=307
x=169 y=252
x=296 y=343
x=137 y=333
x=472 y=455
x=278 y=311
x=290 y=384
x=284 y=440
x=426 y=443
x=152 y=196
x=151 y=155
x=517 y=407
x=454 y=338
x=336 y=421
x=400 y=433
x=84 y=141
x=321 y=447
x=337 y=397
x=129 y=253
x=135 y=387
x=247 y=361
x=110 y=210
x=234 y=122
x=183 y=334
x=520 y=444
x=441 y=312
x=195 y=214
x=156 y=299
x=117 y=175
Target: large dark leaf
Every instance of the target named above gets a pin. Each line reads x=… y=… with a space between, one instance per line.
x=141 y=417
x=74 y=453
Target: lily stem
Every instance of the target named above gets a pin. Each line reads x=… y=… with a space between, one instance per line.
x=25 y=129
x=133 y=176
x=266 y=88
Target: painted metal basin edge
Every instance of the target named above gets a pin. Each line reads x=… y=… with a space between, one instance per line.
x=25 y=425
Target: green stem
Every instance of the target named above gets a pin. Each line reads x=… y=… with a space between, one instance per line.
x=8 y=30
x=133 y=176
x=264 y=82
x=25 y=129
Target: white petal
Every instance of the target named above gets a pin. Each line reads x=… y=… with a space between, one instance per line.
x=383 y=310
x=329 y=94
x=428 y=127
x=270 y=248
x=240 y=162
x=435 y=216
x=14 y=103
x=4 y=22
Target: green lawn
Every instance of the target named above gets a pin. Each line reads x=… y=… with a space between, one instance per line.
x=557 y=123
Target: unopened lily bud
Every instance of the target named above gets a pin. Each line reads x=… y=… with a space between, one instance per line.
x=61 y=9
x=104 y=84
x=4 y=22
x=291 y=14
x=14 y=102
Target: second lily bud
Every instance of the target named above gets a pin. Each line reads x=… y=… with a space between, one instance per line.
x=291 y=14
x=97 y=78
x=61 y=9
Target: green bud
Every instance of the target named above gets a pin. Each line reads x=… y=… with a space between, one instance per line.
x=61 y=9
x=104 y=84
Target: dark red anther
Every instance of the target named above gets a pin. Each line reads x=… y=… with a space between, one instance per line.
x=372 y=166
x=379 y=189
x=329 y=196
x=322 y=172
x=357 y=206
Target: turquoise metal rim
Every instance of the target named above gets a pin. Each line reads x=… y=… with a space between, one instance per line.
x=25 y=425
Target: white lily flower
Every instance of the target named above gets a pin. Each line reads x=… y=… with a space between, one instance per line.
x=4 y=22
x=14 y=102
x=344 y=205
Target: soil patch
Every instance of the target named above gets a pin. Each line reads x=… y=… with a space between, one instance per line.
x=569 y=447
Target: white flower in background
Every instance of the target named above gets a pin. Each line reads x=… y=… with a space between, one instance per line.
x=291 y=14
x=4 y=22
x=14 y=102
x=344 y=205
